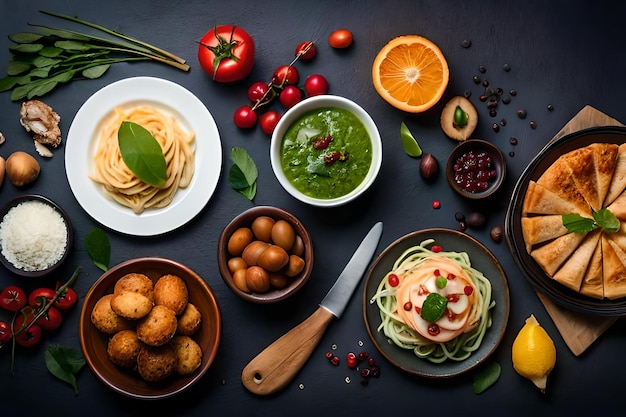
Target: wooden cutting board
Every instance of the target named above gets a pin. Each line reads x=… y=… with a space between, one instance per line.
x=579 y=330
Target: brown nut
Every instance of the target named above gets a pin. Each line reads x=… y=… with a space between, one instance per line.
x=239 y=240
x=295 y=266
x=252 y=252
x=257 y=279
x=476 y=220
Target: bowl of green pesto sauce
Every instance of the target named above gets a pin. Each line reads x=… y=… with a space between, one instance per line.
x=326 y=151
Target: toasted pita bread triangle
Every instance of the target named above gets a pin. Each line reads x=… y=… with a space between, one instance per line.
x=619 y=237
x=573 y=270
x=539 y=229
x=540 y=200
x=614 y=269
x=592 y=285
x=618 y=206
x=580 y=165
x=552 y=255
x=605 y=159
x=559 y=179
x=618 y=182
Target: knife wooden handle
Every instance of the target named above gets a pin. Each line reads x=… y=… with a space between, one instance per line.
x=273 y=368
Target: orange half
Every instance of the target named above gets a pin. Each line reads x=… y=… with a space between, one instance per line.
x=410 y=73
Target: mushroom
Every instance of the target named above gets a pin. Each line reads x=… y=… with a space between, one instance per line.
x=459 y=118
x=39 y=118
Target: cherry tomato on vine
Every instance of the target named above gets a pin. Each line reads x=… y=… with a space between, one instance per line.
x=67 y=299
x=51 y=320
x=245 y=117
x=315 y=85
x=285 y=75
x=257 y=90
x=30 y=337
x=226 y=53
x=36 y=296
x=5 y=332
x=12 y=298
x=268 y=121
x=290 y=96
x=306 y=50
x=341 y=38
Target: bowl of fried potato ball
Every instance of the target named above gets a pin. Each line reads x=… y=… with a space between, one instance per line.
x=265 y=255
x=150 y=328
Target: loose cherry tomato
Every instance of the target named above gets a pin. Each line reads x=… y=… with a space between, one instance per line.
x=67 y=299
x=226 y=53
x=341 y=38
x=245 y=117
x=268 y=121
x=315 y=85
x=12 y=298
x=51 y=320
x=285 y=75
x=257 y=90
x=37 y=296
x=290 y=96
x=306 y=50
x=5 y=332
x=30 y=337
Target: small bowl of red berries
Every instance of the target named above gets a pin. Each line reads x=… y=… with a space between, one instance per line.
x=476 y=169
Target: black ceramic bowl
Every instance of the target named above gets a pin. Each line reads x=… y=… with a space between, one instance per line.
x=18 y=267
x=476 y=146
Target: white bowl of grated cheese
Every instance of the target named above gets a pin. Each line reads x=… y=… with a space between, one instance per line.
x=35 y=235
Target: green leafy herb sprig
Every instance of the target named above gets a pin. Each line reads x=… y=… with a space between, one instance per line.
x=603 y=218
x=98 y=247
x=64 y=362
x=486 y=377
x=50 y=56
x=142 y=154
x=243 y=173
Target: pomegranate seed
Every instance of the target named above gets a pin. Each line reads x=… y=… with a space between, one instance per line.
x=418 y=309
x=468 y=290
x=407 y=306
x=335 y=360
x=451 y=276
x=365 y=372
x=433 y=329
x=453 y=298
x=393 y=280
x=328 y=355
x=436 y=248
x=436 y=204
x=437 y=273
x=351 y=360
x=371 y=362
x=363 y=355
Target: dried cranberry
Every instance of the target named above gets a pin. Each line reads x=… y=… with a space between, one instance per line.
x=393 y=280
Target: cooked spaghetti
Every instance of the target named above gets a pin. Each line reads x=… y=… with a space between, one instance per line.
x=120 y=183
x=401 y=295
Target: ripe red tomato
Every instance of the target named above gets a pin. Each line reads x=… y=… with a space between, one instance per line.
x=51 y=320
x=30 y=337
x=285 y=75
x=290 y=96
x=341 y=38
x=306 y=50
x=257 y=90
x=226 y=53
x=36 y=297
x=315 y=85
x=269 y=120
x=66 y=300
x=245 y=117
x=5 y=332
x=12 y=298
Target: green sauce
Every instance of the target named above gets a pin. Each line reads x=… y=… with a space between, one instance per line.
x=332 y=171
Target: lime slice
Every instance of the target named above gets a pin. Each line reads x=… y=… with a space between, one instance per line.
x=433 y=307
x=410 y=145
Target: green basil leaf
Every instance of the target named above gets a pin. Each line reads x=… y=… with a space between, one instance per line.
x=50 y=51
x=25 y=37
x=39 y=89
x=410 y=145
x=249 y=192
x=243 y=173
x=26 y=48
x=17 y=67
x=486 y=377
x=72 y=45
x=44 y=61
x=95 y=72
x=98 y=248
x=433 y=307
x=142 y=154
x=237 y=179
x=7 y=83
x=64 y=363
x=575 y=223
x=606 y=220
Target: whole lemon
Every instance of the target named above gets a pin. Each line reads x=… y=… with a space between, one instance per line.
x=533 y=353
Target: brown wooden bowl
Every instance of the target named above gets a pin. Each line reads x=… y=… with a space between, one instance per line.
x=245 y=219
x=127 y=382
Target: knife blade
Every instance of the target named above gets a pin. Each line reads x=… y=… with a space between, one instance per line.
x=272 y=369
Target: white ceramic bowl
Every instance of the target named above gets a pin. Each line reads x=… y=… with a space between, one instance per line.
x=318 y=102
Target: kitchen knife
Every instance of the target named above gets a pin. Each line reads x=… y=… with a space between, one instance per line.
x=272 y=369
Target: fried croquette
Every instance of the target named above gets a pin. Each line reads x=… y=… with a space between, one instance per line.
x=135 y=282
x=158 y=327
x=189 y=322
x=156 y=363
x=131 y=305
x=171 y=291
x=106 y=320
x=123 y=349
x=188 y=353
